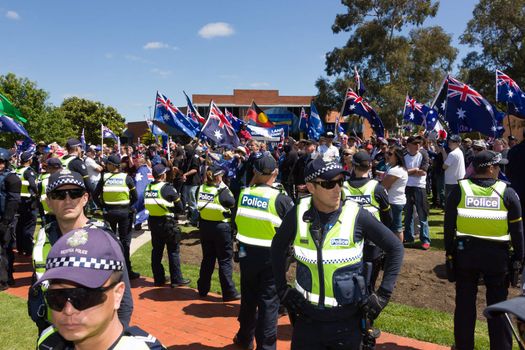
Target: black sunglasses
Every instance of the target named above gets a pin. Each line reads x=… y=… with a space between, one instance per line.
x=330 y=184
x=61 y=194
x=81 y=298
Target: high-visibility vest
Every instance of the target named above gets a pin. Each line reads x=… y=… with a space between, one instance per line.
x=482 y=212
x=257 y=217
x=115 y=191
x=338 y=251
x=154 y=202
x=208 y=203
x=364 y=195
x=24 y=191
x=65 y=162
x=44 y=181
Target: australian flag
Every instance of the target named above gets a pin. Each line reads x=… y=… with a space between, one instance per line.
x=234 y=121
x=303 y=120
x=419 y=114
x=218 y=129
x=142 y=178
x=167 y=113
x=155 y=130
x=507 y=90
x=359 y=85
x=7 y=124
x=315 y=125
x=108 y=134
x=26 y=145
x=193 y=112
x=467 y=110
x=355 y=104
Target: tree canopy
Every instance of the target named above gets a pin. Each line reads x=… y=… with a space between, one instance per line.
x=390 y=62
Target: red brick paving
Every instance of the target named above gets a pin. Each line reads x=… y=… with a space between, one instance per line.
x=183 y=321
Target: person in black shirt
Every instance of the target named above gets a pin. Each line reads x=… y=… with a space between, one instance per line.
x=73 y=162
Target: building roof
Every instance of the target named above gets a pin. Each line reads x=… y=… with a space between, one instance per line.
x=242 y=97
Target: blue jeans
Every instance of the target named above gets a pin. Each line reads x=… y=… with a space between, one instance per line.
x=189 y=196
x=416 y=196
x=397 y=214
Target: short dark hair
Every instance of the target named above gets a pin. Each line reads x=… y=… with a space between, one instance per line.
x=400 y=157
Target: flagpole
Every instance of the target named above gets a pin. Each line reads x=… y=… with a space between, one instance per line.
x=169 y=153
x=343 y=106
x=102 y=137
x=118 y=145
x=508 y=119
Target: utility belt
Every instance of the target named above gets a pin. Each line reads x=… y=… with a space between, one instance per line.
x=116 y=207
x=339 y=313
x=467 y=243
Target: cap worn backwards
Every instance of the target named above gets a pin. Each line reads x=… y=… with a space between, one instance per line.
x=86 y=256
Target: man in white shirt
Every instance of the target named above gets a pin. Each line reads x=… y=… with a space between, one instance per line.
x=417 y=165
x=328 y=151
x=454 y=164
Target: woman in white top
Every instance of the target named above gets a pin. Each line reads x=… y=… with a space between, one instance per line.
x=395 y=182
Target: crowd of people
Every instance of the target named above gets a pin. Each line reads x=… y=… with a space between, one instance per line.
x=340 y=208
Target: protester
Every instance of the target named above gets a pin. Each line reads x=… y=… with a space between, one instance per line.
x=395 y=182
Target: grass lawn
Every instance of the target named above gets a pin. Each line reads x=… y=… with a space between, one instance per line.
x=17 y=330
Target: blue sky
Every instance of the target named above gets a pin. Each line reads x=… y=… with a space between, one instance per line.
x=121 y=52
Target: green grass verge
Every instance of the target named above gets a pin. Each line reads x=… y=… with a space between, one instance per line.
x=17 y=330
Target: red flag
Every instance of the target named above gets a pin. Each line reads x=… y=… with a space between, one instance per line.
x=256 y=116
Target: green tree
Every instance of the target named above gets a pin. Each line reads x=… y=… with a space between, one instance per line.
x=391 y=64
x=497 y=32
x=90 y=115
x=45 y=122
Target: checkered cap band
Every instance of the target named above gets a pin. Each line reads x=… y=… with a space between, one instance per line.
x=326 y=168
x=64 y=181
x=85 y=262
x=497 y=158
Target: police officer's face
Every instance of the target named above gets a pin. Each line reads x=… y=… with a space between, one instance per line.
x=67 y=208
x=89 y=324
x=326 y=199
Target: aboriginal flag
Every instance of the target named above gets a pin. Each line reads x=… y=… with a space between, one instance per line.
x=257 y=117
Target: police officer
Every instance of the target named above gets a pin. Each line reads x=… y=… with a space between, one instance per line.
x=374 y=198
x=214 y=201
x=483 y=237
x=73 y=162
x=259 y=213
x=66 y=197
x=10 y=186
x=328 y=237
x=116 y=193
x=27 y=213
x=52 y=165
x=86 y=288
x=162 y=201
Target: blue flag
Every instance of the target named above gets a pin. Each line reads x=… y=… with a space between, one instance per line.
x=26 y=145
x=467 y=110
x=142 y=178
x=218 y=129
x=108 y=134
x=355 y=104
x=507 y=90
x=235 y=122
x=419 y=114
x=7 y=124
x=83 y=140
x=155 y=130
x=315 y=125
x=167 y=113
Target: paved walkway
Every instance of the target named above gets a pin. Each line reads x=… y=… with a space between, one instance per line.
x=182 y=320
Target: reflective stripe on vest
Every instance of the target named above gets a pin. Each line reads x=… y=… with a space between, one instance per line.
x=46 y=333
x=44 y=181
x=338 y=251
x=209 y=205
x=153 y=201
x=482 y=212
x=24 y=191
x=65 y=162
x=40 y=251
x=257 y=217
x=364 y=195
x=115 y=190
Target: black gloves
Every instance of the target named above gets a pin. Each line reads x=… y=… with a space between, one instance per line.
x=375 y=303
x=294 y=301
x=450 y=268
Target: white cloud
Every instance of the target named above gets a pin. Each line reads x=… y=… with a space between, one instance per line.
x=259 y=84
x=212 y=30
x=155 y=45
x=12 y=15
x=161 y=73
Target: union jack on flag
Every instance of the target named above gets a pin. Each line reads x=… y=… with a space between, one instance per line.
x=465 y=92
x=167 y=113
x=355 y=104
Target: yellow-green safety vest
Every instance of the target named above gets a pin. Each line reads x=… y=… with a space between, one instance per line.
x=256 y=217
x=115 y=191
x=44 y=181
x=481 y=212
x=364 y=195
x=155 y=204
x=338 y=251
x=208 y=203
x=24 y=191
x=65 y=162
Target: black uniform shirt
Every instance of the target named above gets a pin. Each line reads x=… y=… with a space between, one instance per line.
x=13 y=186
x=512 y=203
x=366 y=227
x=30 y=176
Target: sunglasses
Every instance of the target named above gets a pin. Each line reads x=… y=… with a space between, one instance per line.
x=81 y=298
x=330 y=184
x=61 y=194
